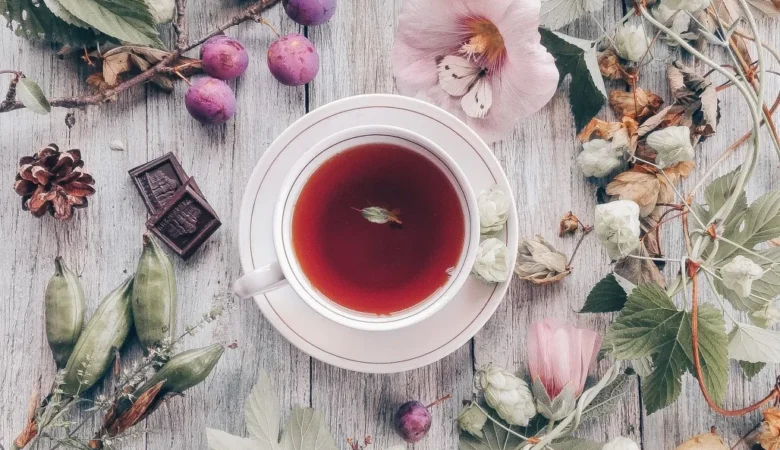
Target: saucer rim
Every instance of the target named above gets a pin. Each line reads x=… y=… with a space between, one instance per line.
x=464 y=332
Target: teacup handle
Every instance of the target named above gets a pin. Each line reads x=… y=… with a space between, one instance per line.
x=260 y=281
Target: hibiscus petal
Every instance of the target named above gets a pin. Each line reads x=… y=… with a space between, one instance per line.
x=431 y=29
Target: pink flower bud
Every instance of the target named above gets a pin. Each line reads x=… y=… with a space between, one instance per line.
x=560 y=354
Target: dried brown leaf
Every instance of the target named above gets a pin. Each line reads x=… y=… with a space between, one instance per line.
x=639 y=104
x=96 y=80
x=114 y=66
x=769 y=433
x=609 y=65
x=599 y=128
x=704 y=441
x=770 y=8
x=647 y=186
x=135 y=412
x=639 y=184
x=651 y=232
x=640 y=271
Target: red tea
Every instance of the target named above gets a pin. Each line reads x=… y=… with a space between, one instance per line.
x=370 y=267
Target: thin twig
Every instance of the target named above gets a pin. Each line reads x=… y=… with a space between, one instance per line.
x=693 y=269
x=252 y=12
x=180 y=24
x=586 y=229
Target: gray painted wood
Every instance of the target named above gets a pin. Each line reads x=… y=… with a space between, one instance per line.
x=103 y=242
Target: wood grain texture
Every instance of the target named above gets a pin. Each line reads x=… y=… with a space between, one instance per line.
x=103 y=242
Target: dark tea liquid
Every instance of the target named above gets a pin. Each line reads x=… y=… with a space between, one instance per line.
x=370 y=267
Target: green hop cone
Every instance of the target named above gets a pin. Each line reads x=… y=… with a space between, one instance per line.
x=507 y=394
x=472 y=420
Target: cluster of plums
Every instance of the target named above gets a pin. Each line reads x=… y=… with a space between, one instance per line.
x=292 y=59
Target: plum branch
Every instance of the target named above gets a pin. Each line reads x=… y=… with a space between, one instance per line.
x=251 y=12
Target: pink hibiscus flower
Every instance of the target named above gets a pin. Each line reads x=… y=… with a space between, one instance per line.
x=481 y=60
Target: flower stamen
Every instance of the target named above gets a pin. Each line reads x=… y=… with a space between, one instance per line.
x=486 y=44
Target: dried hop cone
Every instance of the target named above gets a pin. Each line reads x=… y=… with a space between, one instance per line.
x=54 y=182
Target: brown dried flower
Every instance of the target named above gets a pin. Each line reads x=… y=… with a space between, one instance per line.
x=639 y=104
x=647 y=186
x=539 y=262
x=569 y=224
x=54 y=182
x=769 y=434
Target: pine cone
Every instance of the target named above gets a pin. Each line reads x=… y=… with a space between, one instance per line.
x=54 y=182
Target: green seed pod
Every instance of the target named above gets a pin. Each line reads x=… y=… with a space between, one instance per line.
x=154 y=295
x=186 y=369
x=64 y=312
x=106 y=331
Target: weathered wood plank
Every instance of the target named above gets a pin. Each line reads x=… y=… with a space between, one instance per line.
x=103 y=242
x=690 y=414
x=354 y=53
x=540 y=160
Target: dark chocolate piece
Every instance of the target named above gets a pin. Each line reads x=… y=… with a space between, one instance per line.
x=158 y=180
x=186 y=222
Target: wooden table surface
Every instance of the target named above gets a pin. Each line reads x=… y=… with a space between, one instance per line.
x=103 y=242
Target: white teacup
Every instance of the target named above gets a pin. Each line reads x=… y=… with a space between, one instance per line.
x=287 y=270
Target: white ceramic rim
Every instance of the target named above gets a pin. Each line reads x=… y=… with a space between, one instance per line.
x=310 y=162
x=413 y=107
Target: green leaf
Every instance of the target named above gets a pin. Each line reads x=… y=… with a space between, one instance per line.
x=752 y=344
x=606 y=296
x=762 y=290
x=126 y=20
x=649 y=322
x=651 y=325
x=494 y=438
x=58 y=10
x=609 y=398
x=751 y=369
x=263 y=416
x=32 y=97
x=219 y=440
x=558 y=13
x=575 y=444
x=306 y=431
x=716 y=194
x=34 y=21
x=713 y=351
x=760 y=223
x=577 y=57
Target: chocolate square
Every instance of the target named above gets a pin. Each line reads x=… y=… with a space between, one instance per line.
x=186 y=222
x=158 y=180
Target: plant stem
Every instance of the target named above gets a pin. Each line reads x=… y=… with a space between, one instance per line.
x=439 y=401
x=497 y=422
x=586 y=229
x=693 y=269
x=252 y=12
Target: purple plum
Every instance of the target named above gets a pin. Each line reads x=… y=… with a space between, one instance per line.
x=412 y=421
x=210 y=101
x=293 y=60
x=223 y=57
x=310 y=12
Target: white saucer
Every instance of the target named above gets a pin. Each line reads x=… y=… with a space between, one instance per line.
x=371 y=351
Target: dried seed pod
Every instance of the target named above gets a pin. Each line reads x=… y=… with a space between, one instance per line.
x=105 y=332
x=185 y=370
x=64 y=312
x=154 y=295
